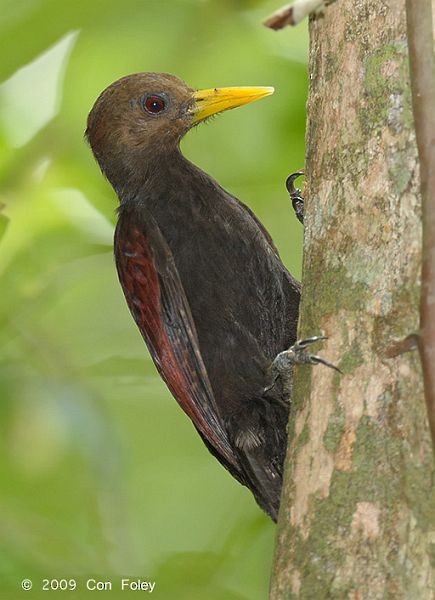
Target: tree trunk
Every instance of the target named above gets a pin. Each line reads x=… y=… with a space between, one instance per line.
x=357 y=518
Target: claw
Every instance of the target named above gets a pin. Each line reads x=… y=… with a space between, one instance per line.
x=295 y=195
x=314 y=360
x=283 y=364
x=297 y=355
x=290 y=183
x=301 y=344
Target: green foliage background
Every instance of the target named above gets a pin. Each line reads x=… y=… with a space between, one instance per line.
x=101 y=472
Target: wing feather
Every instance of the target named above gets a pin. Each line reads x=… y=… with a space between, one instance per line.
x=158 y=303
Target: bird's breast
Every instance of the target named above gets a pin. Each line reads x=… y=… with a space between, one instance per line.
x=241 y=299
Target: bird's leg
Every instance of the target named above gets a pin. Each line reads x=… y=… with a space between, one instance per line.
x=295 y=195
x=297 y=354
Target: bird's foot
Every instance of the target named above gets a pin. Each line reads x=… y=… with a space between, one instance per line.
x=295 y=195
x=297 y=354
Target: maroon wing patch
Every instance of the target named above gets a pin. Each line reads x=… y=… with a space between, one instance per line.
x=157 y=301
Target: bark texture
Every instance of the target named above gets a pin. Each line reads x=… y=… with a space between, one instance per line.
x=357 y=517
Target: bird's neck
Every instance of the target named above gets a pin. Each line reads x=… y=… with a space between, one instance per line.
x=153 y=179
x=145 y=174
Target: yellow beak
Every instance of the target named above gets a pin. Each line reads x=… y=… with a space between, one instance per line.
x=210 y=102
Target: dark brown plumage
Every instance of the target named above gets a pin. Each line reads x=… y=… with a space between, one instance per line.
x=201 y=275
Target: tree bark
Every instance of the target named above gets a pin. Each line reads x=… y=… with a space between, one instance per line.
x=419 y=19
x=357 y=518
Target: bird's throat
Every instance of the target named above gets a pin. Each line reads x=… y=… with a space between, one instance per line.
x=145 y=174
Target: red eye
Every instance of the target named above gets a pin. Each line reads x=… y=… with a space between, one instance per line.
x=154 y=104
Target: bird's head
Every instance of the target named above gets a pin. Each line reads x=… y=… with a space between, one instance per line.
x=141 y=118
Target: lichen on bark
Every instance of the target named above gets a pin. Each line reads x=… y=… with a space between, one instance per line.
x=357 y=517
